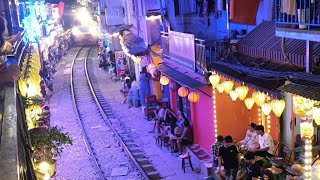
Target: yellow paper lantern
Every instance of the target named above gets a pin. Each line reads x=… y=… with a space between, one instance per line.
x=227 y=86
x=214 y=80
x=277 y=107
x=242 y=92
x=249 y=102
x=164 y=80
x=233 y=95
x=193 y=97
x=183 y=92
x=316 y=115
x=220 y=88
x=266 y=108
x=299 y=105
x=306 y=127
x=259 y=98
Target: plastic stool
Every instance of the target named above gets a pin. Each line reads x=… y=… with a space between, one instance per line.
x=183 y=158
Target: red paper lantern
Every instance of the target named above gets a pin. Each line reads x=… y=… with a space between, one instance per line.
x=183 y=92
x=164 y=80
x=193 y=97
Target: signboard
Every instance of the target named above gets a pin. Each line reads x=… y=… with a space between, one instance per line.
x=121 y=63
x=181 y=49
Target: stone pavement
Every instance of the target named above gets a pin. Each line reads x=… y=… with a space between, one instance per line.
x=168 y=165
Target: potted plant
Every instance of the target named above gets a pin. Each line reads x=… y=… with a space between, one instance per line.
x=47 y=144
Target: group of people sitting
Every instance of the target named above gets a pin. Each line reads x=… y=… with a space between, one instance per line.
x=256 y=146
x=174 y=126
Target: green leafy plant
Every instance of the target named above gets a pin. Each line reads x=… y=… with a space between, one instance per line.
x=48 y=143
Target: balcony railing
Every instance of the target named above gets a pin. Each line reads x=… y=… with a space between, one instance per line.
x=302 y=14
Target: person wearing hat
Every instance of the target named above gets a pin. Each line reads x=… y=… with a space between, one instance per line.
x=296 y=172
x=251 y=141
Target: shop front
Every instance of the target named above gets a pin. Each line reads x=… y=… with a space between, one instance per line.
x=188 y=91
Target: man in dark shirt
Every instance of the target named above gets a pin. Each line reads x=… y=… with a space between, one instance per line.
x=252 y=171
x=229 y=155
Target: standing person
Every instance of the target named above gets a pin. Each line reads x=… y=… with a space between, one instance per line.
x=252 y=171
x=251 y=141
x=215 y=150
x=229 y=155
x=144 y=85
x=266 y=143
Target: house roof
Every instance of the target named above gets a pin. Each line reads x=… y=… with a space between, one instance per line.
x=269 y=76
x=263 y=43
x=180 y=77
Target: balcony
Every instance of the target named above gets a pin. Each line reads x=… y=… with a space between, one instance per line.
x=206 y=51
x=298 y=20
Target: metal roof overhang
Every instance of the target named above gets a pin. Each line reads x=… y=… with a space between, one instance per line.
x=180 y=77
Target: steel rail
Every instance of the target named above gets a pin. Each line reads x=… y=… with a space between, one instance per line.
x=107 y=120
x=84 y=134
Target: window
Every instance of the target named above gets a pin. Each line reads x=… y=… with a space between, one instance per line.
x=185 y=7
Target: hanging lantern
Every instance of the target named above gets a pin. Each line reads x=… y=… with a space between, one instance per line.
x=249 y=102
x=242 y=92
x=259 y=98
x=316 y=115
x=266 y=108
x=220 y=88
x=164 y=80
x=306 y=127
x=227 y=86
x=193 y=97
x=214 y=80
x=277 y=107
x=299 y=105
x=183 y=92
x=233 y=95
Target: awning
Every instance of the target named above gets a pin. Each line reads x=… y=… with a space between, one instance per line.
x=134 y=43
x=116 y=29
x=180 y=78
x=306 y=89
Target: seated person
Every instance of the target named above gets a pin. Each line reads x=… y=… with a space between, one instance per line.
x=296 y=172
x=252 y=171
x=268 y=175
x=215 y=150
x=159 y=116
x=133 y=95
x=251 y=141
x=186 y=138
x=170 y=118
x=266 y=146
x=181 y=118
x=229 y=155
x=315 y=170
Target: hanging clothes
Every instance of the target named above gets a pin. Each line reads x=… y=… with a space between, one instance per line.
x=244 y=11
x=288 y=7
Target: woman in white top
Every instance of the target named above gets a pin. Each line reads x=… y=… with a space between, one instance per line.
x=251 y=141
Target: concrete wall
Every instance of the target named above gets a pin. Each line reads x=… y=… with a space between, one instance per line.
x=114 y=12
x=217 y=29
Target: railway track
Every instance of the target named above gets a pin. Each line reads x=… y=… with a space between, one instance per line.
x=94 y=111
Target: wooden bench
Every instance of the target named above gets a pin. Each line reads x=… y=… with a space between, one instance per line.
x=203 y=159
